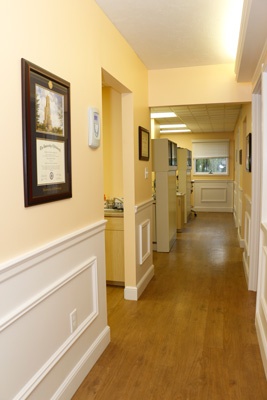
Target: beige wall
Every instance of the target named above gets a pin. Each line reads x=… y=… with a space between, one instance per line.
x=196 y=85
x=74 y=48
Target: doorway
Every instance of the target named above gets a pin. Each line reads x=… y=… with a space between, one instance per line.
x=120 y=161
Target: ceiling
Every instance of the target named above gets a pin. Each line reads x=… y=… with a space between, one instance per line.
x=187 y=33
x=174 y=33
x=213 y=118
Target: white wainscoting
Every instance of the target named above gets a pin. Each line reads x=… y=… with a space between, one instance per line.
x=239 y=217
x=247 y=224
x=213 y=195
x=261 y=307
x=144 y=241
x=236 y=203
x=40 y=357
x=144 y=253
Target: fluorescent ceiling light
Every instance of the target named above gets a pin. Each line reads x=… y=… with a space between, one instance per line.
x=174 y=130
x=163 y=115
x=232 y=19
x=173 y=126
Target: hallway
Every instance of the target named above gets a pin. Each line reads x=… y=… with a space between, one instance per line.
x=191 y=336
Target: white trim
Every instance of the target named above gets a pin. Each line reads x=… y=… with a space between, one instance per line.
x=30 y=259
x=245 y=267
x=142 y=257
x=213 y=209
x=131 y=293
x=27 y=306
x=140 y=207
x=213 y=181
x=262 y=342
x=69 y=386
x=256 y=189
x=247 y=232
x=222 y=190
x=240 y=240
x=261 y=66
x=134 y=292
x=63 y=349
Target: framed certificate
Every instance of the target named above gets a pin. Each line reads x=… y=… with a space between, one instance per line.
x=46 y=136
x=143 y=144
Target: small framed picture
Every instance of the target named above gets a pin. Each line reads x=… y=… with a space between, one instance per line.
x=143 y=144
x=46 y=135
x=248 y=152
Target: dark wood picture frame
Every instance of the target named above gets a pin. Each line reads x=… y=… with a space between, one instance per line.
x=144 y=145
x=248 y=152
x=46 y=135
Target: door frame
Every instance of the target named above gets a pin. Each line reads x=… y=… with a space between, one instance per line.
x=256 y=186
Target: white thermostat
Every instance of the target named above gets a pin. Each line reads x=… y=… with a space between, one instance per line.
x=94 y=127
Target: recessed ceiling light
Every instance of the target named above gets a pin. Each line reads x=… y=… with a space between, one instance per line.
x=163 y=115
x=173 y=126
x=175 y=130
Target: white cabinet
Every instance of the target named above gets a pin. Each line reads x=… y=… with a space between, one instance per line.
x=164 y=153
x=184 y=174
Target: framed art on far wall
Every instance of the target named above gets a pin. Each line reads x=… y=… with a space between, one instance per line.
x=46 y=135
x=248 y=152
x=143 y=144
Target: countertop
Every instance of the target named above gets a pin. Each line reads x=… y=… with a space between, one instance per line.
x=114 y=213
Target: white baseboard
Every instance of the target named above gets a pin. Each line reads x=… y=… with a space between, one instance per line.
x=213 y=209
x=241 y=240
x=262 y=342
x=69 y=386
x=245 y=266
x=134 y=292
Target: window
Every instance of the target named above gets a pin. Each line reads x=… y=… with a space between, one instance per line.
x=211 y=157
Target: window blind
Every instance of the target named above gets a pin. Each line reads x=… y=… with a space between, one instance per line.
x=210 y=148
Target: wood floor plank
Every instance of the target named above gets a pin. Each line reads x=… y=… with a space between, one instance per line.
x=191 y=335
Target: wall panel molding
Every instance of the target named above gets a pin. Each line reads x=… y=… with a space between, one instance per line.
x=28 y=305
x=144 y=241
x=261 y=310
x=213 y=195
x=50 y=283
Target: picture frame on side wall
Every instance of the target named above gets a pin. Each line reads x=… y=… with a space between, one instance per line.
x=144 y=147
x=46 y=135
x=248 y=152
x=240 y=157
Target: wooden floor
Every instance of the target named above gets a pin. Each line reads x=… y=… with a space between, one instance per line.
x=191 y=336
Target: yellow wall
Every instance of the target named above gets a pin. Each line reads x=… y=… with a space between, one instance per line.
x=246 y=128
x=243 y=128
x=196 y=85
x=74 y=42
x=112 y=143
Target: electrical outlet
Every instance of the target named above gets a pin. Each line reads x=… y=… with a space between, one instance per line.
x=73 y=320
